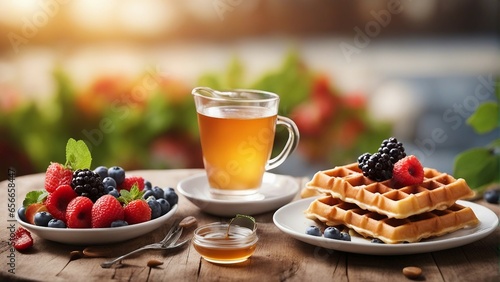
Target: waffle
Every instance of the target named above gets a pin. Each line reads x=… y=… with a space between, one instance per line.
x=438 y=191
x=333 y=211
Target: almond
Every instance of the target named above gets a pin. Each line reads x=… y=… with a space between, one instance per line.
x=412 y=272
x=154 y=263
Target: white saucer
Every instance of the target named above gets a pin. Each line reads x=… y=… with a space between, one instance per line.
x=276 y=191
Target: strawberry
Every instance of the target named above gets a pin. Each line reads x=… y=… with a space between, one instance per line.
x=79 y=213
x=137 y=211
x=130 y=181
x=32 y=209
x=22 y=239
x=106 y=210
x=58 y=200
x=57 y=175
x=407 y=171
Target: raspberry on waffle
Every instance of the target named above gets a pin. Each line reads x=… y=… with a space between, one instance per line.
x=437 y=191
x=333 y=211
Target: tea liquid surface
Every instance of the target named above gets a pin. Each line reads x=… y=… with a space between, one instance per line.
x=236 y=143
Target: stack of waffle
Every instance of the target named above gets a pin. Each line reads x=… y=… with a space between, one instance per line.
x=378 y=210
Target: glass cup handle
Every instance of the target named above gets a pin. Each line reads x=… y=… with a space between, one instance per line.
x=291 y=143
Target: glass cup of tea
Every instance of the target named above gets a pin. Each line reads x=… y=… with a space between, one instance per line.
x=237 y=130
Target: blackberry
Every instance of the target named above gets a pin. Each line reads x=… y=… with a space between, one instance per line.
x=88 y=184
x=379 y=166
x=362 y=159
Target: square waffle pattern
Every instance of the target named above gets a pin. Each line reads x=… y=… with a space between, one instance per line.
x=438 y=191
x=333 y=211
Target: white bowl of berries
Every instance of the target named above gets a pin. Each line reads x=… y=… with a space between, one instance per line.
x=97 y=236
x=101 y=206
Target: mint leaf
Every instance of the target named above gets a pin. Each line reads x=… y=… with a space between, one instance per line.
x=486 y=118
x=128 y=196
x=125 y=197
x=242 y=221
x=34 y=197
x=77 y=155
x=478 y=166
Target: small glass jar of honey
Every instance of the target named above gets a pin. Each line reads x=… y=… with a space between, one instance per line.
x=225 y=244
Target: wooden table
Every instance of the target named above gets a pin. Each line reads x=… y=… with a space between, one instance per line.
x=278 y=257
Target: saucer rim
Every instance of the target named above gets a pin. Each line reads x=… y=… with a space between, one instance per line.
x=290 y=192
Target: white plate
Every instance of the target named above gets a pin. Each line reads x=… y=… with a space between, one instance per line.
x=97 y=236
x=276 y=191
x=291 y=220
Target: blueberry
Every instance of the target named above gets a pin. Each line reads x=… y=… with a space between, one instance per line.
x=21 y=212
x=117 y=173
x=114 y=193
x=344 y=236
x=492 y=196
x=148 y=194
x=155 y=209
x=147 y=185
x=165 y=206
x=313 y=230
x=102 y=171
x=377 y=241
x=56 y=223
x=332 y=233
x=109 y=181
x=171 y=197
x=42 y=218
x=118 y=223
x=158 y=192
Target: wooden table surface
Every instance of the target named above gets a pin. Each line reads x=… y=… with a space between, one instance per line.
x=278 y=257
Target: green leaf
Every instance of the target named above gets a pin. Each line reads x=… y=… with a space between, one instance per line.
x=243 y=221
x=34 y=197
x=128 y=196
x=77 y=155
x=486 y=118
x=478 y=166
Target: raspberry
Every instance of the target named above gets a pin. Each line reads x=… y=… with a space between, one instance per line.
x=137 y=211
x=106 y=210
x=379 y=166
x=130 y=181
x=408 y=171
x=57 y=175
x=22 y=239
x=88 y=184
x=79 y=213
x=58 y=200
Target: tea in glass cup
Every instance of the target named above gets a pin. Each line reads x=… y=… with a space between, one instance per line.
x=237 y=130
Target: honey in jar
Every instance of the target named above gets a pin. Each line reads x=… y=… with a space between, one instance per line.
x=215 y=243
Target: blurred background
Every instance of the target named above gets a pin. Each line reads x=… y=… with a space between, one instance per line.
x=118 y=74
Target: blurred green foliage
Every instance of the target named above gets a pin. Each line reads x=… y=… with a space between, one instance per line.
x=150 y=122
x=480 y=167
